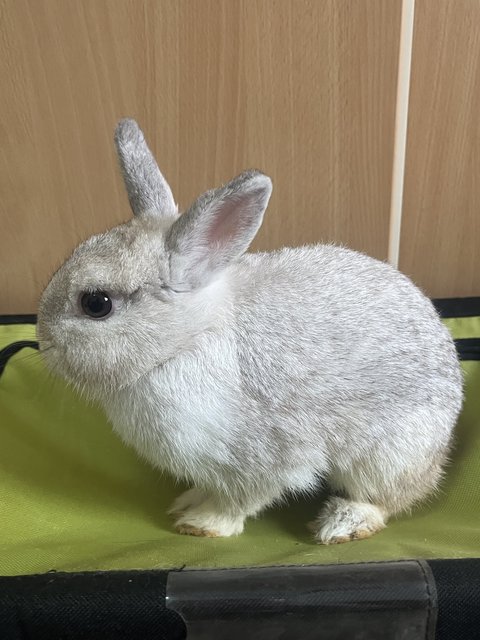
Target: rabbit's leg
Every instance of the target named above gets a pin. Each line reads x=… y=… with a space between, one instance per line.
x=352 y=514
x=191 y=498
x=206 y=519
x=343 y=520
x=374 y=489
x=215 y=517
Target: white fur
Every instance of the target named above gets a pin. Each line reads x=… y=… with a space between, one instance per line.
x=342 y=520
x=190 y=498
x=207 y=519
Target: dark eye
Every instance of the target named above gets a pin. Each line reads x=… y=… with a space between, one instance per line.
x=96 y=304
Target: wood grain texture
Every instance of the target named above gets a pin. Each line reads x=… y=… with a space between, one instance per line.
x=303 y=89
x=441 y=213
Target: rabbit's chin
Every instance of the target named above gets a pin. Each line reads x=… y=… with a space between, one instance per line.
x=92 y=386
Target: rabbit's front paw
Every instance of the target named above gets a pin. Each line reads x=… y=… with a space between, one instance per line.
x=205 y=520
x=344 y=520
x=191 y=498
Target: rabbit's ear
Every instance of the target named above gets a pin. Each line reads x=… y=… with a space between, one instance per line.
x=217 y=229
x=148 y=191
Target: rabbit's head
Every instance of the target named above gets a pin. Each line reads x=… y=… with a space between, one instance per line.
x=129 y=299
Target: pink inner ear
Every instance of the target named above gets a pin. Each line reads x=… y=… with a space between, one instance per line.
x=216 y=230
x=230 y=219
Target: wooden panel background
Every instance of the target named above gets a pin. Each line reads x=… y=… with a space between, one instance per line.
x=304 y=89
x=440 y=236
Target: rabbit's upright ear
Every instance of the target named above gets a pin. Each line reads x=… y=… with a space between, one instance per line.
x=217 y=229
x=148 y=191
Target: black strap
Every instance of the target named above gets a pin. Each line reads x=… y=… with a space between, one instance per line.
x=11 y=349
x=457 y=307
x=468 y=348
x=18 y=319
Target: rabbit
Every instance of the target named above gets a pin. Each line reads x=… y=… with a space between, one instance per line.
x=253 y=376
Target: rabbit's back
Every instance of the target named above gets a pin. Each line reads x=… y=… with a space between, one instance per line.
x=329 y=332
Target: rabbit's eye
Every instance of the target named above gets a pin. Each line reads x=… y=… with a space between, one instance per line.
x=96 y=304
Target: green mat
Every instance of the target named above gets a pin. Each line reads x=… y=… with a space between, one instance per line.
x=74 y=498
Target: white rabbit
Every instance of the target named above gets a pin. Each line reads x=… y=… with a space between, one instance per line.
x=253 y=376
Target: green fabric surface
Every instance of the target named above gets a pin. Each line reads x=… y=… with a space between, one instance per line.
x=74 y=498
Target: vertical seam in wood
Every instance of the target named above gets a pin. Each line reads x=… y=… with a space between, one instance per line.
x=400 y=133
